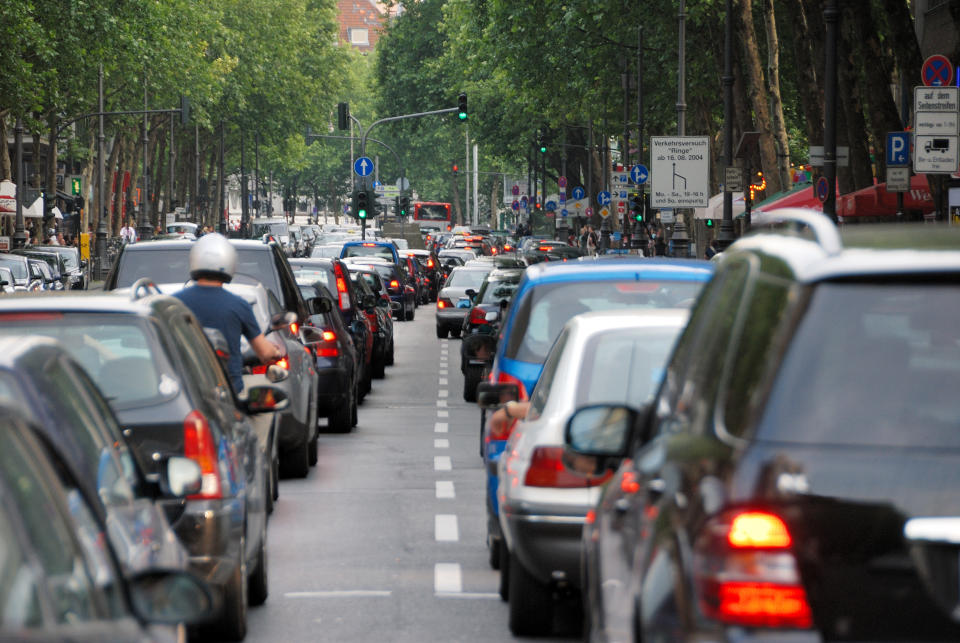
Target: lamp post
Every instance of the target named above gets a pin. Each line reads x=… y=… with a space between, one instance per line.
x=101 y=243
x=146 y=228
x=19 y=234
x=725 y=235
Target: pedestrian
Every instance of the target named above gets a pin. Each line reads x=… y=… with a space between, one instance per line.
x=660 y=245
x=591 y=240
x=712 y=248
x=128 y=233
x=213 y=261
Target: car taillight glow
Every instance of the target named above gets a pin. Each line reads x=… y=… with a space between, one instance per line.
x=261 y=369
x=329 y=336
x=394 y=283
x=442 y=303
x=746 y=574
x=478 y=315
x=294 y=328
x=430 y=263
x=547 y=470
x=198 y=445
x=369 y=245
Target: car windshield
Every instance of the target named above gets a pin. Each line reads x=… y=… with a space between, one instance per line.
x=325 y=252
x=465 y=278
x=870 y=365
x=277 y=228
x=368 y=250
x=69 y=255
x=640 y=354
x=545 y=309
x=119 y=354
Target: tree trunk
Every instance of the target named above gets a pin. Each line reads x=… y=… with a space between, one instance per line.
x=206 y=198
x=89 y=171
x=851 y=99
x=51 y=189
x=161 y=174
x=773 y=87
x=903 y=38
x=111 y=180
x=5 y=164
x=758 y=99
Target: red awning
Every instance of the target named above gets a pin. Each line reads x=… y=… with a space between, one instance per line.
x=801 y=198
x=875 y=201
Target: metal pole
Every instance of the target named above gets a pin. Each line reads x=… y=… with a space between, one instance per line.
x=146 y=228
x=725 y=235
x=466 y=175
x=256 y=175
x=168 y=206
x=682 y=71
x=476 y=187
x=244 y=209
x=589 y=190
x=196 y=176
x=20 y=233
x=222 y=187
x=831 y=16
x=101 y=243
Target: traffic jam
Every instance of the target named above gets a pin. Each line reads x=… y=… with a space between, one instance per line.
x=755 y=447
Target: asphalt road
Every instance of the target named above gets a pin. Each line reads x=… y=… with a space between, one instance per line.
x=384 y=541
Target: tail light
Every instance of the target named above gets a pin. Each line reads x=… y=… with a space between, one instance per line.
x=430 y=263
x=261 y=369
x=747 y=574
x=493 y=251
x=444 y=303
x=507 y=247
x=394 y=283
x=343 y=295
x=294 y=329
x=329 y=347
x=547 y=470
x=521 y=394
x=478 y=315
x=198 y=445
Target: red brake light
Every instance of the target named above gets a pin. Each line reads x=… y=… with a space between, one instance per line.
x=746 y=574
x=369 y=245
x=441 y=303
x=329 y=336
x=430 y=263
x=544 y=248
x=758 y=529
x=394 y=283
x=478 y=316
x=33 y=316
x=547 y=470
x=628 y=483
x=294 y=328
x=283 y=362
x=198 y=445
x=507 y=247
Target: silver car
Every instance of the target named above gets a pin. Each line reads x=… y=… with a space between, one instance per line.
x=455 y=298
x=601 y=357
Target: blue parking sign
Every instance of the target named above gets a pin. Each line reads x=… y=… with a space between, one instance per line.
x=898 y=149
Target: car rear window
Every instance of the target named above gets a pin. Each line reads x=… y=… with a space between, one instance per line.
x=464 y=278
x=368 y=250
x=870 y=365
x=546 y=308
x=118 y=352
x=311 y=275
x=172 y=265
x=495 y=291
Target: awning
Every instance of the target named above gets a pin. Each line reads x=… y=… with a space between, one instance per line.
x=714 y=209
x=876 y=201
x=801 y=197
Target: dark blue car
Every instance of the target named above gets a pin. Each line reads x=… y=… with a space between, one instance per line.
x=548 y=296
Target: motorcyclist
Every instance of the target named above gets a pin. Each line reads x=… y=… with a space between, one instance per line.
x=213 y=261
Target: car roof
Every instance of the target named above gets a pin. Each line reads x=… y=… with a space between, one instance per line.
x=587 y=268
x=879 y=250
x=115 y=301
x=605 y=320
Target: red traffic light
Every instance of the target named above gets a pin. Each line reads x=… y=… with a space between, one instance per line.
x=456 y=168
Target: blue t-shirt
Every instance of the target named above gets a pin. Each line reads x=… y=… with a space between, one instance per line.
x=217 y=308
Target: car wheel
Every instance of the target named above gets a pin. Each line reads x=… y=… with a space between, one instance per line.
x=531 y=602
x=471 y=379
x=504 y=564
x=295 y=463
x=257 y=590
x=232 y=625
x=494 y=546
x=411 y=313
x=268 y=491
x=380 y=366
x=455 y=333
x=389 y=360
x=441 y=332
x=341 y=420
x=312 y=450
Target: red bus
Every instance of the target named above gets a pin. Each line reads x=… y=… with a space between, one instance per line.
x=432 y=212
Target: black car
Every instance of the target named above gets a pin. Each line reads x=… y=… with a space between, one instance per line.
x=337 y=360
x=377 y=307
x=430 y=263
x=334 y=274
x=64 y=581
x=57 y=279
x=151 y=359
x=398 y=285
x=795 y=478
x=76 y=268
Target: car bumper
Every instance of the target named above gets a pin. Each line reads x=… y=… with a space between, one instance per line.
x=211 y=530
x=451 y=317
x=333 y=386
x=548 y=544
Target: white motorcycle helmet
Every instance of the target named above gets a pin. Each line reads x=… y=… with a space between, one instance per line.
x=213 y=257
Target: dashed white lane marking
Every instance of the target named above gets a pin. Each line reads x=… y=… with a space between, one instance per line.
x=443 y=371
x=443 y=381
x=443 y=362
x=347 y=593
x=442 y=413
x=447 y=579
x=445 y=490
x=442 y=463
x=445 y=528
x=442 y=403
x=443 y=393
x=441 y=444
x=441 y=427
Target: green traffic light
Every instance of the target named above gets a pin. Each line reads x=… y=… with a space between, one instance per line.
x=462 y=116
x=709 y=223
x=362 y=214
x=543 y=149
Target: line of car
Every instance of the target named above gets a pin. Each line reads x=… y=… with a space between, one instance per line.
x=745 y=451
x=129 y=399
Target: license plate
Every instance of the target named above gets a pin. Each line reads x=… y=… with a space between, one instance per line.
x=463 y=303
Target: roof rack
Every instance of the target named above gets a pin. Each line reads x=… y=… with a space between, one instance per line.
x=824 y=230
x=142 y=287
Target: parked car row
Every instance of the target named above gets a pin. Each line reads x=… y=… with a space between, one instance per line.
x=743 y=452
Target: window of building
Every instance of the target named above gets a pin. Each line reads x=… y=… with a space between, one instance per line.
x=358 y=36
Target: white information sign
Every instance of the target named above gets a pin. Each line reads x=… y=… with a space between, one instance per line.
x=935 y=99
x=898 y=179
x=667 y=216
x=816 y=156
x=935 y=154
x=680 y=171
x=936 y=123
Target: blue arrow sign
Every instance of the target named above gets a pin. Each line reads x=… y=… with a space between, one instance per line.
x=603 y=198
x=564 y=212
x=578 y=193
x=363 y=166
x=551 y=206
x=898 y=149
x=639 y=174
x=523 y=202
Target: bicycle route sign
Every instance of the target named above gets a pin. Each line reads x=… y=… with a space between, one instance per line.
x=680 y=171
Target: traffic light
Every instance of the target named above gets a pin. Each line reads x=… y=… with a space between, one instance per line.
x=343 y=116
x=76 y=185
x=541 y=142
x=709 y=223
x=404 y=205
x=456 y=168
x=636 y=207
x=462 y=106
x=363 y=204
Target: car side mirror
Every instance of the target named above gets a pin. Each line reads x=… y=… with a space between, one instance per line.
x=384 y=303
x=319 y=305
x=471 y=293
x=356 y=327
x=219 y=343
x=601 y=430
x=311 y=335
x=283 y=320
x=180 y=477
x=265 y=398
x=276 y=373
x=170 y=597
x=490 y=395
